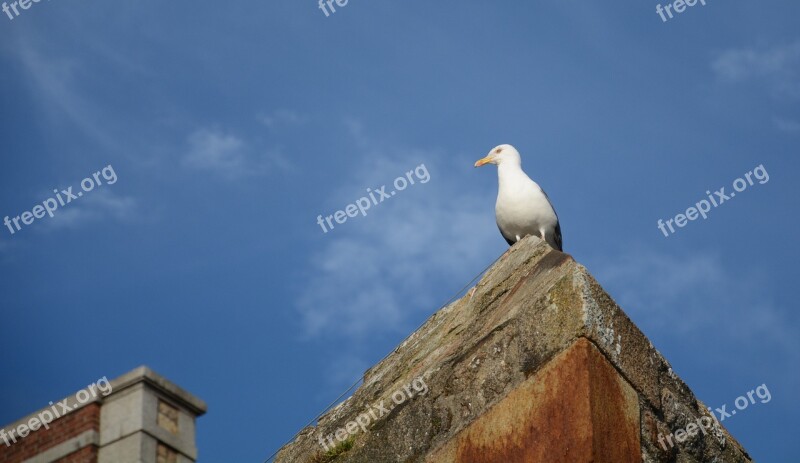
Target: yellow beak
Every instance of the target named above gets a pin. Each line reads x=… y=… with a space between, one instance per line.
x=483 y=161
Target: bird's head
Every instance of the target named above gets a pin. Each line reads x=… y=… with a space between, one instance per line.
x=501 y=154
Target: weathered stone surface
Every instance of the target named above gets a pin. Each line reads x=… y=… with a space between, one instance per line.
x=576 y=409
x=491 y=356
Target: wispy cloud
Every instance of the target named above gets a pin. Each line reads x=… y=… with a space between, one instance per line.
x=787 y=125
x=55 y=79
x=695 y=294
x=230 y=155
x=374 y=272
x=214 y=150
x=779 y=66
x=91 y=208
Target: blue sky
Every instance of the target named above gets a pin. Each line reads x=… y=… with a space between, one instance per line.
x=231 y=127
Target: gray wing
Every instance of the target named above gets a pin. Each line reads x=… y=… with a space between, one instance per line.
x=557 y=236
x=557 y=232
x=510 y=240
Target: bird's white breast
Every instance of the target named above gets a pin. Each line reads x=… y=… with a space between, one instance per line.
x=522 y=207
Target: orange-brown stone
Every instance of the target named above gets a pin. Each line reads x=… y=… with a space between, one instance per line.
x=576 y=409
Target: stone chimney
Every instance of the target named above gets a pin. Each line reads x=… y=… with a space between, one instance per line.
x=539 y=365
x=140 y=417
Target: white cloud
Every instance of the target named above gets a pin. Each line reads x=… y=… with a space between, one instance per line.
x=787 y=125
x=779 y=66
x=213 y=150
x=122 y=208
x=694 y=294
x=229 y=155
x=55 y=79
x=92 y=207
x=374 y=273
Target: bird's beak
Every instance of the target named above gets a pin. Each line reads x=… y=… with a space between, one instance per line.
x=483 y=161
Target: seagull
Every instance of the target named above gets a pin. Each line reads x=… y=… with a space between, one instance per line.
x=522 y=207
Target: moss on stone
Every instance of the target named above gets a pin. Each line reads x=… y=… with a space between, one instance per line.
x=332 y=454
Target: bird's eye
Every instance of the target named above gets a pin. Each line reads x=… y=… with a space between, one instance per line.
x=498 y=150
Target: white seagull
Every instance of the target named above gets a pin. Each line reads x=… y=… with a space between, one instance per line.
x=522 y=207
